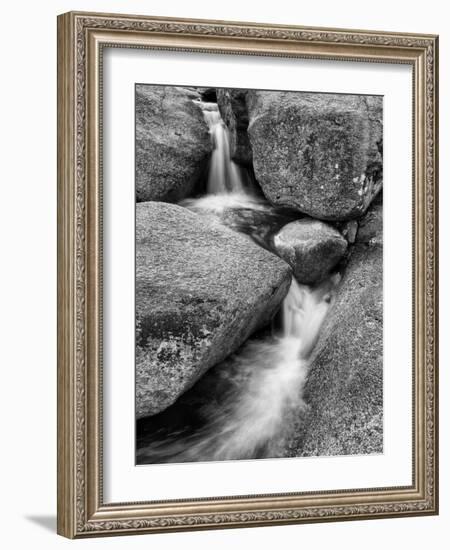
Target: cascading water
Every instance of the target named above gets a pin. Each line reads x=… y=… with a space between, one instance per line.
x=266 y=376
x=223 y=174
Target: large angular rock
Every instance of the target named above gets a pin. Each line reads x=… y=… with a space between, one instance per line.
x=233 y=108
x=311 y=247
x=318 y=153
x=201 y=290
x=344 y=389
x=172 y=142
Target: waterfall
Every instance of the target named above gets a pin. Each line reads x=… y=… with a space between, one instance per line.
x=223 y=176
x=253 y=422
x=304 y=311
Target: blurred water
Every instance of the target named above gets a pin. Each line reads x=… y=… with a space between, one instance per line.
x=223 y=174
x=245 y=404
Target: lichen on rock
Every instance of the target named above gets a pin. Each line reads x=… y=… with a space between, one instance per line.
x=318 y=153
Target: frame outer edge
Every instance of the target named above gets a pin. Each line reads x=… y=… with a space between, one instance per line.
x=435 y=214
x=278 y=27
x=65 y=281
x=75 y=482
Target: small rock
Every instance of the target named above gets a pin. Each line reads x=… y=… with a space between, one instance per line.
x=311 y=247
x=349 y=230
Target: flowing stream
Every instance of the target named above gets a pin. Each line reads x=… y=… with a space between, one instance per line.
x=223 y=176
x=241 y=408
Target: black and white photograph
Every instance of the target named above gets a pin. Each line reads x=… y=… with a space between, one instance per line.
x=224 y=237
x=259 y=270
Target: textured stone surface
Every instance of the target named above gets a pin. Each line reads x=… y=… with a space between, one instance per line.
x=311 y=247
x=233 y=108
x=318 y=153
x=371 y=225
x=172 y=142
x=344 y=390
x=349 y=230
x=201 y=290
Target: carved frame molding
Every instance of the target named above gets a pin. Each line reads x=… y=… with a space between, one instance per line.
x=81 y=38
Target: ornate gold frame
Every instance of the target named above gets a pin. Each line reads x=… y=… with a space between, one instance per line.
x=81 y=37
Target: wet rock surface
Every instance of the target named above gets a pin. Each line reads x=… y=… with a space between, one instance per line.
x=233 y=108
x=172 y=143
x=201 y=291
x=349 y=230
x=318 y=153
x=246 y=215
x=311 y=247
x=370 y=228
